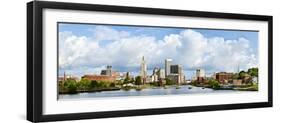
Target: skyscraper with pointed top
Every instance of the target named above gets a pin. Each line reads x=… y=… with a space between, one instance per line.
x=143 y=71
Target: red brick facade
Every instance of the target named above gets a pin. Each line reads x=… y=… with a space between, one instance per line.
x=99 y=78
x=224 y=77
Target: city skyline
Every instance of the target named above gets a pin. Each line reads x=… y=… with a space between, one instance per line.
x=85 y=49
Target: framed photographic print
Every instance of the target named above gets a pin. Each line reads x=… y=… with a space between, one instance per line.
x=94 y=61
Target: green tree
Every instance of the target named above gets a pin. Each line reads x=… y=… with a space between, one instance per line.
x=253 y=72
x=126 y=80
x=112 y=84
x=94 y=84
x=70 y=86
x=119 y=82
x=132 y=80
x=138 y=80
x=102 y=84
x=214 y=84
x=242 y=74
x=84 y=84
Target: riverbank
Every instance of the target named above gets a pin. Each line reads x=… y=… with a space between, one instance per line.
x=91 y=90
x=125 y=88
x=232 y=87
x=249 y=88
x=153 y=91
x=148 y=86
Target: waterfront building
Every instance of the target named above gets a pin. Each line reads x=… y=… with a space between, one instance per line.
x=116 y=75
x=224 y=77
x=155 y=75
x=247 y=78
x=200 y=73
x=161 y=74
x=174 y=78
x=107 y=75
x=176 y=73
x=200 y=76
x=201 y=80
x=181 y=74
x=107 y=71
x=104 y=78
x=168 y=63
x=154 y=78
x=237 y=82
x=143 y=71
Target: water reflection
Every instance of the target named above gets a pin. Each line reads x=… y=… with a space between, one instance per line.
x=185 y=89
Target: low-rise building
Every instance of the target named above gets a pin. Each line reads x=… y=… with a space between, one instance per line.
x=224 y=77
x=174 y=78
x=154 y=78
x=247 y=78
x=161 y=74
x=237 y=82
x=104 y=78
x=201 y=80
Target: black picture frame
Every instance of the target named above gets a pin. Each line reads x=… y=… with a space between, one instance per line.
x=35 y=69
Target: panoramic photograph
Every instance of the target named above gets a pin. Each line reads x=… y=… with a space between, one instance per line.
x=102 y=60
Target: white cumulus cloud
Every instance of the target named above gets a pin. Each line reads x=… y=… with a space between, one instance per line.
x=123 y=51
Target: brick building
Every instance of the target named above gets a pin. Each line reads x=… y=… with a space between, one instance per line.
x=224 y=77
x=99 y=78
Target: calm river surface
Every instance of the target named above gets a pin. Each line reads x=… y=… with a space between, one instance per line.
x=185 y=89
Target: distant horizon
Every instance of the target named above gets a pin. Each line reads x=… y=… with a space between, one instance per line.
x=89 y=48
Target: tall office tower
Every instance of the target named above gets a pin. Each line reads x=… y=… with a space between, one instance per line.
x=174 y=69
x=176 y=73
x=168 y=63
x=181 y=74
x=143 y=71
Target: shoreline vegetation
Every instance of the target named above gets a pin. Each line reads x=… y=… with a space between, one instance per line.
x=139 y=88
x=72 y=86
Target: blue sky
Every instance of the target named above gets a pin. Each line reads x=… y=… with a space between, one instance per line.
x=184 y=42
x=160 y=32
x=86 y=29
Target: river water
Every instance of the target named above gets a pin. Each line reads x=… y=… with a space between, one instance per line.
x=185 y=89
